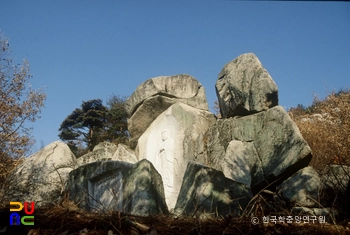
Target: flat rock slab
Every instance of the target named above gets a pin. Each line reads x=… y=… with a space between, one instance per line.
x=98 y=185
x=207 y=191
x=183 y=87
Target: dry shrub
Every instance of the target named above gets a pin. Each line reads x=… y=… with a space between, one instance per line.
x=66 y=218
x=326 y=128
x=7 y=164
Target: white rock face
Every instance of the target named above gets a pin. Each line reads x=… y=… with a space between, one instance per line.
x=41 y=177
x=167 y=143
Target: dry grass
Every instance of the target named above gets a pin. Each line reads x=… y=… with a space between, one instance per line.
x=65 y=218
x=62 y=221
x=7 y=165
x=326 y=128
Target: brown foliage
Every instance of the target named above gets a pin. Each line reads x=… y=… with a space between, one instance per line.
x=19 y=103
x=217 y=109
x=326 y=128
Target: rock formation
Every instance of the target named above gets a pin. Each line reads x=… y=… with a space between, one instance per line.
x=207 y=191
x=125 y=154
x=169 y=144
x=183 y=158
x=41 y=177
x=245 y=87
x=97 y=186
x=143 y=190
x=108 y=151
x=157 y=94
x=103 y=150
x=303 y=189
x=257 y=149
x=118 y=186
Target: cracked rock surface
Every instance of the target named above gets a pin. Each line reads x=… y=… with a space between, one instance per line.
x=154 y=96
x=257 y=149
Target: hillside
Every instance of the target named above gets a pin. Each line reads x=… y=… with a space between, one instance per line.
x=325 y=125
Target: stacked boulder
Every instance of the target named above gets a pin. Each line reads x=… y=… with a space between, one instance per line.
x=111 y=178
x=167 y=115
x=256 y=142
x=183 y=159
x=156 y=95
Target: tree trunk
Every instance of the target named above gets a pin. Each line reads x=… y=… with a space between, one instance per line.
x=91 y=132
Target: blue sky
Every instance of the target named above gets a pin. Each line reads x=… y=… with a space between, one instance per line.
x=82 y=50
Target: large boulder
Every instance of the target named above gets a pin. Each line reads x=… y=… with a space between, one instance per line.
x=241 y=162
x=41 y=178
x=155 y=95
x=173 y=139
x=144 y=191
x=119 y=186
x=303 y=189
x=205 y=190
x=267 y=147
x=98 y=186
x=183 y=87
x=244 y=87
